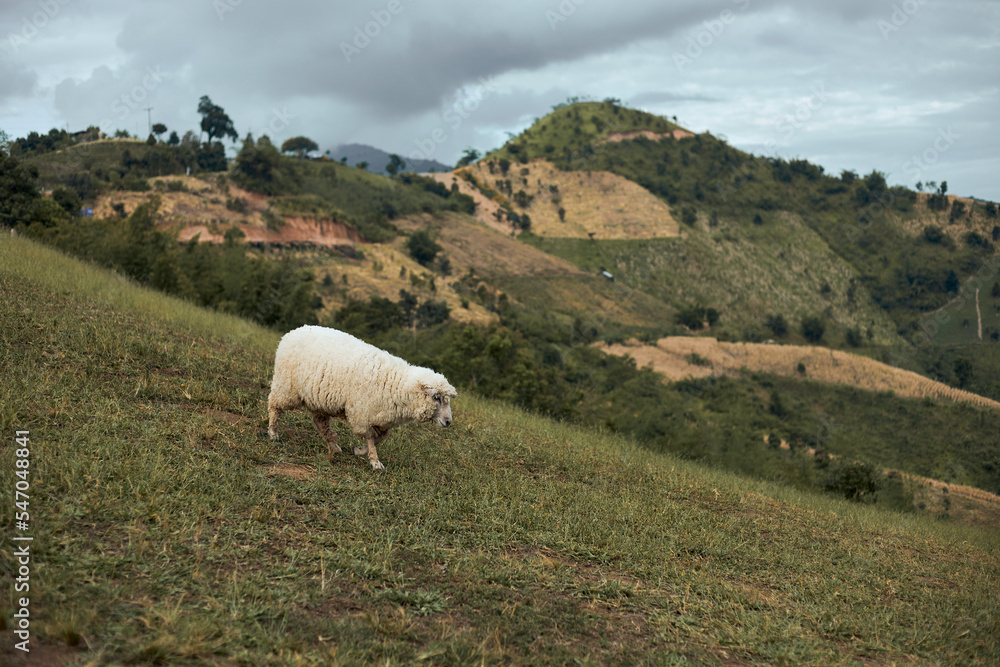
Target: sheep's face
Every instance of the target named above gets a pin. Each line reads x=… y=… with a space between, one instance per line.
x=442 y=406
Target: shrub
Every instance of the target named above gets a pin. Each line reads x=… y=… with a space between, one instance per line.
x=777 y=325
x=422 y=247
x=813 y=328
x=857 y=482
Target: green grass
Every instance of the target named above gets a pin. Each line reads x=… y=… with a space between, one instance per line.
x=54 y=165
x=566 y=131
x=160 y=537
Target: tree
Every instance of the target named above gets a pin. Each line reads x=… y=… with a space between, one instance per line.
x=963 y=371
x=363 y=165
x=19 y=196
x=301 y=146
x=857 y=481
x=995 y=292
x=422 y=247
x=158 y=129
x=396 y=165
x=214 y=121
x=174 y=140
x=813 y=328
x=470 y=156
x=777 y=325
x=68 y=200
x=257 y=167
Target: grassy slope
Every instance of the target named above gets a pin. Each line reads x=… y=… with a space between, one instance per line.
x=744 y=272
x=569 y=128
x=161 y=537
x=55 y=165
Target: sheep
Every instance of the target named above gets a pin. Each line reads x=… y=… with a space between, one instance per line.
x=333 y=374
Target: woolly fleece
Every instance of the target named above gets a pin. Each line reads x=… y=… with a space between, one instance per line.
x=334 y=374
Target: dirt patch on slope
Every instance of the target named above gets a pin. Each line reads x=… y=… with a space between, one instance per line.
x=680 y=357
x=595 y=204
x=649 y=134
x=318 y=232
x=487 y=251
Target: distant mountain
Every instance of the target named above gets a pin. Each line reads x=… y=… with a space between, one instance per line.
x=378 y=159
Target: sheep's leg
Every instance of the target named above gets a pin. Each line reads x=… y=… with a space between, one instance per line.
x=322 y=423
x=369 y=449
x=272 y=421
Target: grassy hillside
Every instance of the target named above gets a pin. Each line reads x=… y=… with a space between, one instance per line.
x=167 y=528
x=570 y=129
x=747 y=273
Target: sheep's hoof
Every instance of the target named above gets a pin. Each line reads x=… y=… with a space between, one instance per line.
x=273 y=436
x=361 y=451
x=377 y=465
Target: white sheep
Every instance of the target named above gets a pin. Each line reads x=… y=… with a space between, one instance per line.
x=333 y=374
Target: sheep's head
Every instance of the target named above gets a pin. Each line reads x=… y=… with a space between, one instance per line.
x=441 y=397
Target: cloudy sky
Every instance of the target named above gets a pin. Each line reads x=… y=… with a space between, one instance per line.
x=908 y=87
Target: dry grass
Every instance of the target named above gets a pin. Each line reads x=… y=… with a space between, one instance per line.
x=670 y=357
x=491 y=253
x=964 y=504
x=977 y=221
x=596 y=202
x=649 y=134
x=201 y=211
x=379 y=272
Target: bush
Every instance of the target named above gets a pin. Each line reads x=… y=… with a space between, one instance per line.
x=777 y=325
x=422 y=247
x=813 y=328
x=857 y=482
x=68 y=200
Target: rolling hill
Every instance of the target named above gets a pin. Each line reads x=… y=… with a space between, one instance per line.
x=167 y=528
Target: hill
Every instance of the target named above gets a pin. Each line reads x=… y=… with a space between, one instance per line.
x=167 y=528
x=378 y=159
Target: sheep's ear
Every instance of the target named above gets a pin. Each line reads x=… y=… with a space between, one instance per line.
x=430 y=391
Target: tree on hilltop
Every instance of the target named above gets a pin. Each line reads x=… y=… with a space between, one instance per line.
x=214 y=120
x=301 y=146
x=470 y=156
x=396 y=165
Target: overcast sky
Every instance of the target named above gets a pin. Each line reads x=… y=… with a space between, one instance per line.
x=908 y=87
